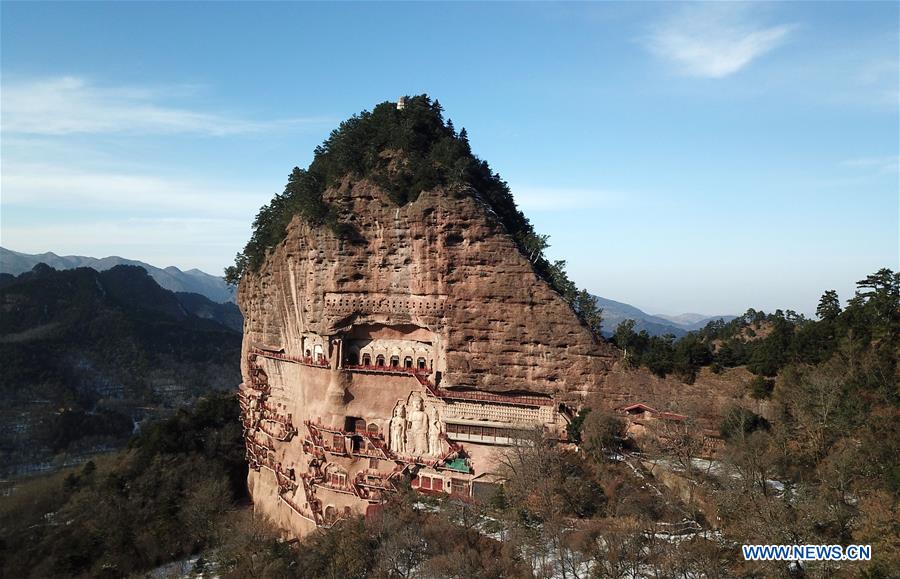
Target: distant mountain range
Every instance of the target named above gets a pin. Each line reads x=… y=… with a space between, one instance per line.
x=693 y=321
x=170 y=278
x=614 y=313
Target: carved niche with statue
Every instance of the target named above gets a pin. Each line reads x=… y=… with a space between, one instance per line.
x=416 y=428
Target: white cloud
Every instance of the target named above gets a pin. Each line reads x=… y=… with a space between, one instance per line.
x=713 y=40
x=160 y=219
x=879 y=70
x=886 y=164
x=562 y=199
x=71 y=105
x=40 y=186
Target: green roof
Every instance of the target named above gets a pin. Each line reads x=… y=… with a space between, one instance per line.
x=458 y=464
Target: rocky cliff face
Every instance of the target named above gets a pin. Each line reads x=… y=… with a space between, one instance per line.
x=414 y=344
x=442 y=263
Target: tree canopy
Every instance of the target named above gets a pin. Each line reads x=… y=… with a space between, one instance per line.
x=768 y=343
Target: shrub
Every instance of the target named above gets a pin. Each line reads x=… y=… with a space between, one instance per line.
x=761 y=387
x=739 y=422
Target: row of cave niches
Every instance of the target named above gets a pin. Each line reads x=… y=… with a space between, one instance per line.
x=318 y=358
x=433 y=307
x=382 y=361
x=357 y=440
x=379 y=361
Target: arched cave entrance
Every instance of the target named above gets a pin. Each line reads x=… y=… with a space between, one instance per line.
x=354 y=424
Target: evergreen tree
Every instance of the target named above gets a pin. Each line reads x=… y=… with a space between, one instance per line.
x=829 y=306
x=586 y=308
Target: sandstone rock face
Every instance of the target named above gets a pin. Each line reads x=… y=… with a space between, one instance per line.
x=414 y=349
x=439 y=263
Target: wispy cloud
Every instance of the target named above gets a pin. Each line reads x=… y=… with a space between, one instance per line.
x=713 y=40
x=876 y=71
x=71 y=105
x=563 y=199
x=38 y=185
x=125 y=210
x=886 y=164
x=879 y=77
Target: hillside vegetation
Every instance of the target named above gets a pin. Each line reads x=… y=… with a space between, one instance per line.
x=768 y=343
x=162 y=499
x=88 y=354
x=823 y=469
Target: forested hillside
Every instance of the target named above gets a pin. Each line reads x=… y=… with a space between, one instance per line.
x=87 y=355
x=823 y=468
x=161 y=499
x=768 y=343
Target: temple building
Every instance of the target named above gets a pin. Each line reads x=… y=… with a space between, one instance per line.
x=366 y=409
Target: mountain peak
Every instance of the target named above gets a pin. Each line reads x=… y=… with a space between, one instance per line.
x=404 y=151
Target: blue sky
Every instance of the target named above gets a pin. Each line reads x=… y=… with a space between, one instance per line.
x=682 y=157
